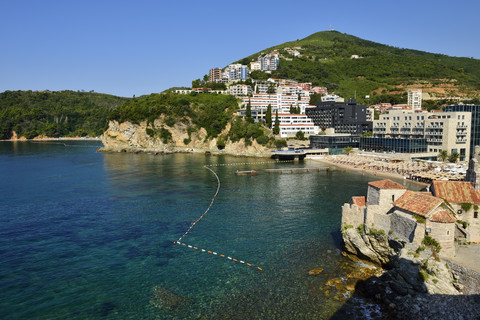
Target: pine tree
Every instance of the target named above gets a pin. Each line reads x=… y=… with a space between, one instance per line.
x=268 y=116
x=276 y=127
x=248 y=113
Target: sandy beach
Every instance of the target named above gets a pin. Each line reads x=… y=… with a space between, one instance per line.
x=329 y=160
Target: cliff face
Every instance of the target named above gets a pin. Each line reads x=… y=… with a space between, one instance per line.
x=414 y=268
x=416 y=283
x=127 y=136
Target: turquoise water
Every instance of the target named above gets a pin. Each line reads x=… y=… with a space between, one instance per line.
x=87 y=235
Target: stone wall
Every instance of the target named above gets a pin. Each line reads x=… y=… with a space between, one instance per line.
x=381 y=221
x=373 y=196
x=389 y=196
x=405 y=227
x=473 y=229
x=352 y=215
x=444 y=233
x=468 y=279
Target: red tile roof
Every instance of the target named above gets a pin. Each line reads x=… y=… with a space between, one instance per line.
x=417 y=202
x=386 y=184
x=442 y=216
x=456 y=191
x=359 y=201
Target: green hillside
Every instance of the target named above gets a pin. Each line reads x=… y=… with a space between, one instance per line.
x=55 y=114
x=326 y=61
x=212 y=112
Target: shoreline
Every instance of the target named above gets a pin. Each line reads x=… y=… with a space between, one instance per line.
x=52 y=139
x=370 y=172
x=172 y=150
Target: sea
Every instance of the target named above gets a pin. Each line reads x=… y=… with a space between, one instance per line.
x=91 y=235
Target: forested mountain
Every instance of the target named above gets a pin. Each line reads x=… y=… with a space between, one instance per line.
x=326 y=60
x=55 y=114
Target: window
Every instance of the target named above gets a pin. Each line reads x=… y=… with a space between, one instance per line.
x=393 y=198
x=475 y=215
x=448 y=232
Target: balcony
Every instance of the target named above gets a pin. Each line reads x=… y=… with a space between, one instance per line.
x=461 y=126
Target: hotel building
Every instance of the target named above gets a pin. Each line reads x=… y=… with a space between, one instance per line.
x=448 y=131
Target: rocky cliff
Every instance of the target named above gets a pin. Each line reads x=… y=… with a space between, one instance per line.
x=145 y=137
x=416 y=283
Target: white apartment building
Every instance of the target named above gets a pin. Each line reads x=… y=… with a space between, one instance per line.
x=292 y=89
x=332 y=97
x=236 y=72
x=290 y=124
x=448 y=131
x=415 y=99
x=239 y=90
x=370 y=114
x=269 y=62
x=259 y=103
x=264 y=87
x=255 y=65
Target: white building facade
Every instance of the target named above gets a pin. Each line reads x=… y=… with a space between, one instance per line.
x=415 y=99
x=239 y=90
x=259 y=103
x=448 y=131
x=290 y=124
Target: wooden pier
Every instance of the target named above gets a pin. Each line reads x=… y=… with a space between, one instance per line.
x=282 y=171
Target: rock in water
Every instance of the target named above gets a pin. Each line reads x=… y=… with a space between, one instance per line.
x=166 y=299
x=315 y=271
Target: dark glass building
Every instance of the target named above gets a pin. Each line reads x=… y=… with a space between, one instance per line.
x=334 y=143
x=393 y=145
x=344 y=117
x=475 y=125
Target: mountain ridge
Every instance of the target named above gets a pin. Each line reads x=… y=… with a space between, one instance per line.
x=326 y=61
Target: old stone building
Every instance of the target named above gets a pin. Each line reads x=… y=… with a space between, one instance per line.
x=473 y=172
x=403 y=214
x=465 y=201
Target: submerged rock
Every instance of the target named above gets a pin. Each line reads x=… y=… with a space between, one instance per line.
x=166 y=299
x=315 y=271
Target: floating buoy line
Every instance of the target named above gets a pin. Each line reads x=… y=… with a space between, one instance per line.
x=64 y=144
x=183 y=244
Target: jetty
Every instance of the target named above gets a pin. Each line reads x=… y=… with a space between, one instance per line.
x=282 y=171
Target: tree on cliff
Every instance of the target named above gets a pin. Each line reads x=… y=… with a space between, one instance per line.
x=276 y=127
x=268 y=116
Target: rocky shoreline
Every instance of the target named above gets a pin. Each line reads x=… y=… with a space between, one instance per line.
x=172 y=150
x=129 y=137
x=415 y=283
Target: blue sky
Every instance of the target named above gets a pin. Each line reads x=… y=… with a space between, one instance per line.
x=139 y=47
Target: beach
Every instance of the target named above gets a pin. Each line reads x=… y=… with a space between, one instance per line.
x=374 y=167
